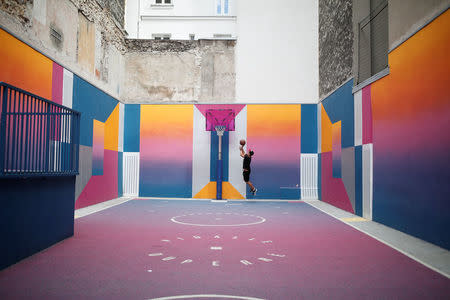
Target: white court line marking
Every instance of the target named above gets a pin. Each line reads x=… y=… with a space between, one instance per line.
x=85 y=211
x=386 y=243
x=155 y=254
x=219 y=201
x=216 y=248
x=206 y=296
x=149 y=271
x=261 y=220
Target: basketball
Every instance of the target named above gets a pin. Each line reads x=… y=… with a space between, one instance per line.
x=242 y=142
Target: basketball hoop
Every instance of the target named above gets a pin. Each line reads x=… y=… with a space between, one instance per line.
x=220 y=129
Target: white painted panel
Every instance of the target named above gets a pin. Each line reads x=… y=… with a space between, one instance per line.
x=358 y=117
x=67 y=88
x=235 y=159
x=309 y=176
x=201 y=153
x=130 y=174
x=367 y=180
x=121 y=127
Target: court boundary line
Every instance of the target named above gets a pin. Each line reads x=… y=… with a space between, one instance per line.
x=443 y=273
x=92 y=209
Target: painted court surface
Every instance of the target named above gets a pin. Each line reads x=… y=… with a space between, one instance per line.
x=146 y=249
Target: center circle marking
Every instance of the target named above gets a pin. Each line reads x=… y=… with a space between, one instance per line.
x=206 y=296
x=179 y=220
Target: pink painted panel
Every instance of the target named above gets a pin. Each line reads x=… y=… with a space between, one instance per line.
x=367 y=116
x=57 y=83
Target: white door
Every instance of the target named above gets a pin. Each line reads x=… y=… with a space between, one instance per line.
x=130 y=174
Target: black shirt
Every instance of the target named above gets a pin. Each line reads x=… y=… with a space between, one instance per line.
x=247 y=161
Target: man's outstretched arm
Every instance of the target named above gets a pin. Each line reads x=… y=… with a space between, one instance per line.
x=242 y=151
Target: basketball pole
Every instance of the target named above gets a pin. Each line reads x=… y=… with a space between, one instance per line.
x=219 y=130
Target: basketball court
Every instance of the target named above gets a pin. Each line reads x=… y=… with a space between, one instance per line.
x=169 y=249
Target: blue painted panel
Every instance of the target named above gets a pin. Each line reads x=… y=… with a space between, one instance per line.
x=403 y=187
x=215 y=153
x=269 y=178
x=36 y=213
x=358 y=181
x=309 y=128
x=132 y=123
x=164 y=179
x=340 y=107
x=290 y=193
x=120 y=174
x=92 y=103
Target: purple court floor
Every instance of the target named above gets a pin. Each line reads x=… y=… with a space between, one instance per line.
x=150 y=249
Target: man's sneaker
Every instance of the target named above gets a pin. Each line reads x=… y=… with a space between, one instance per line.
x=254 y=191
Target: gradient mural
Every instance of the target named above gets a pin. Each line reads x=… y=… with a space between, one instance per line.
x=411 y=144
x=337 y=158
x=273 y=132
x=166 y=151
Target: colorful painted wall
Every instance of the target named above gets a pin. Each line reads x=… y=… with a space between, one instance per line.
x=384 y=151
x=411 y=118
x=340 y=159
x=30 y=70
x=178 y=156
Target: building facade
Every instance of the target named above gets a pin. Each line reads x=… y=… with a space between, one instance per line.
x=181 y=20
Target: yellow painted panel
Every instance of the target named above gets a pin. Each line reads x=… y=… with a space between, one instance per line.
x=208 y=192
x=230 y=192
x=112 y=130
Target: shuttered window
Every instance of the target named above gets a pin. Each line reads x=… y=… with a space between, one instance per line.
x=373 y=41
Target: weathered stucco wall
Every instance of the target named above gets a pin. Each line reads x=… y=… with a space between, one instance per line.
x=86 y=37
x=81 y=35
x=335 y=44
x=179 y=71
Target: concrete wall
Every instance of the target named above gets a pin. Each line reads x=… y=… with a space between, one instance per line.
x=88 y=38
x=179 y=71
x=277 y=51
x=406 y=18
x=335 y=44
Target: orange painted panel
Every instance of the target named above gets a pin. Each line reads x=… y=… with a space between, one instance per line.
x=24 y=67
x=112 y=130
x=326 y=131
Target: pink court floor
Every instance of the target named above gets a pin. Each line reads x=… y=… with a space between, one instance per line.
x=159 y=249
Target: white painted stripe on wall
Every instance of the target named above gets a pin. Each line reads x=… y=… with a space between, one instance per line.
x=367 y=180
x=67 y=88
x=201 y=154
x=130 y=174
x=358 y=117
x=235 y=159
x=121 y=127
x=309 y=176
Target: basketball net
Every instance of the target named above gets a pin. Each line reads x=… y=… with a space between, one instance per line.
x=220 y=129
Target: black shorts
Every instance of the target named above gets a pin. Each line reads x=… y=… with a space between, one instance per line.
x=246 y=175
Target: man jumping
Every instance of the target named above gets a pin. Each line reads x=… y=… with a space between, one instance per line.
x=246 y=168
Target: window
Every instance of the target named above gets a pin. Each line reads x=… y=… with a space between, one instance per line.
x=161 y=36
x=373 y=41
x=163 y=1
x=222 y=7
x=192 y=36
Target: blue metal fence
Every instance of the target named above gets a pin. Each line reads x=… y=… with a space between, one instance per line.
x=37 y=137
